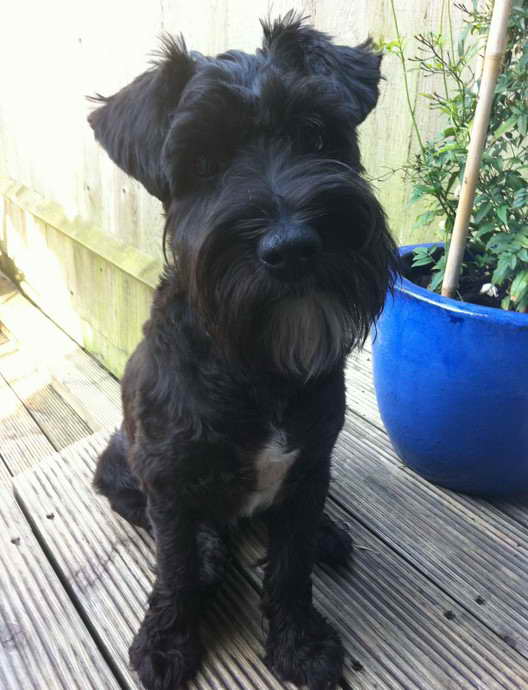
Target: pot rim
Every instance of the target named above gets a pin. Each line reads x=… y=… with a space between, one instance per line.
x=406 y=286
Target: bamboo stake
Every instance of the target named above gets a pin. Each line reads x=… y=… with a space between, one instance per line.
x=492 y=64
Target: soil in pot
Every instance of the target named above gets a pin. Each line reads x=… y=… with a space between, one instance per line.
x=471 y=281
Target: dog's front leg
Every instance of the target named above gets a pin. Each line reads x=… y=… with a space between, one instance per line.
x=301 y=647
x=167 y=650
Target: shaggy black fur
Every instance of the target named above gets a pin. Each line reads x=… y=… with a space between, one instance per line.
x=279 y=260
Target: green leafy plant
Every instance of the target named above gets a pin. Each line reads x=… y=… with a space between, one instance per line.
x=497 y=250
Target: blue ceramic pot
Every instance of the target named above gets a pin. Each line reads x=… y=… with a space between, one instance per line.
x=451 y=380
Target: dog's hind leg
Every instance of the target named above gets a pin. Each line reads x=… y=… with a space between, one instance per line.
x=114 y=480
x=334 y=543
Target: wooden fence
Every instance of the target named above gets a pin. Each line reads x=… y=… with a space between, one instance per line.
x=80 y=237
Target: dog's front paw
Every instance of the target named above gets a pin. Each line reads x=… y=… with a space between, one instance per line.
x=305 y=651
x=164 y=659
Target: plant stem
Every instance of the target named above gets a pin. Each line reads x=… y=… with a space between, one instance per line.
x=444 y=76
x=451 y=41
x=405 y=79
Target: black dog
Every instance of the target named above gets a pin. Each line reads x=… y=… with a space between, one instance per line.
x=280 y=259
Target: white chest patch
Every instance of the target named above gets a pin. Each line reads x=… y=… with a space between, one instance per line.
x=272 y=463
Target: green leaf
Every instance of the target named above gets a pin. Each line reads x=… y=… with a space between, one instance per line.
x=522 y=305
x=482 y=212
x=505 y=127
x=424 y=219
x=423 y=256
x=519 y=286
x=455 y=146
x=424 y=261
x=436 y=281
x=497 y=163
x=520 y=198
x=418 y=192
x=484 y=230
x=389 y=46
x=515 y=180
x=502 y=213
x=502 y=270
x=452 y=180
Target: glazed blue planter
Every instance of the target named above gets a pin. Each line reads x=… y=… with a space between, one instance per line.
x=451 y=380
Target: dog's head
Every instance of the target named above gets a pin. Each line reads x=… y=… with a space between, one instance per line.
x=279 y=244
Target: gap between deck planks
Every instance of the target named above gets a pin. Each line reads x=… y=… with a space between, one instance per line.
x=360 y=391
x=31 y=383
x=88 y=388
x=44 y=644
x=22 y=442
x=51 y=392
x=470 y=550
x=391 y=616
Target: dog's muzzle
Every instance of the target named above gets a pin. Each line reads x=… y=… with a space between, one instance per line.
x=289 y=251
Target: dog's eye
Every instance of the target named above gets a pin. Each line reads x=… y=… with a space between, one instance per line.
x=205 y=167
x=319 y=142
x=315 y=140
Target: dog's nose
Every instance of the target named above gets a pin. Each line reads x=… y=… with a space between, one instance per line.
x=290 y=250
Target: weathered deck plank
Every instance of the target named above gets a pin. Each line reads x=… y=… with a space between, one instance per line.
x=361 y=399
x=43 y=641
x=31 y=383
x=360 y=392
x=392 y=618
x=22 y=442
x=394 y=625
x=88 y=388
x=516 y=508
x=108 y=568
x=468 y=549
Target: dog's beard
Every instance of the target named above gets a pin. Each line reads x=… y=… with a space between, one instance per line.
x=306 y=336
x=301 y=330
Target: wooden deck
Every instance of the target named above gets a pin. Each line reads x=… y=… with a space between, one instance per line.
x=436 y=596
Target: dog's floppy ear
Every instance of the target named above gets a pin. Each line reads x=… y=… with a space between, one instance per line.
x=358 y=69
x=355 y=71
x=132 y=124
